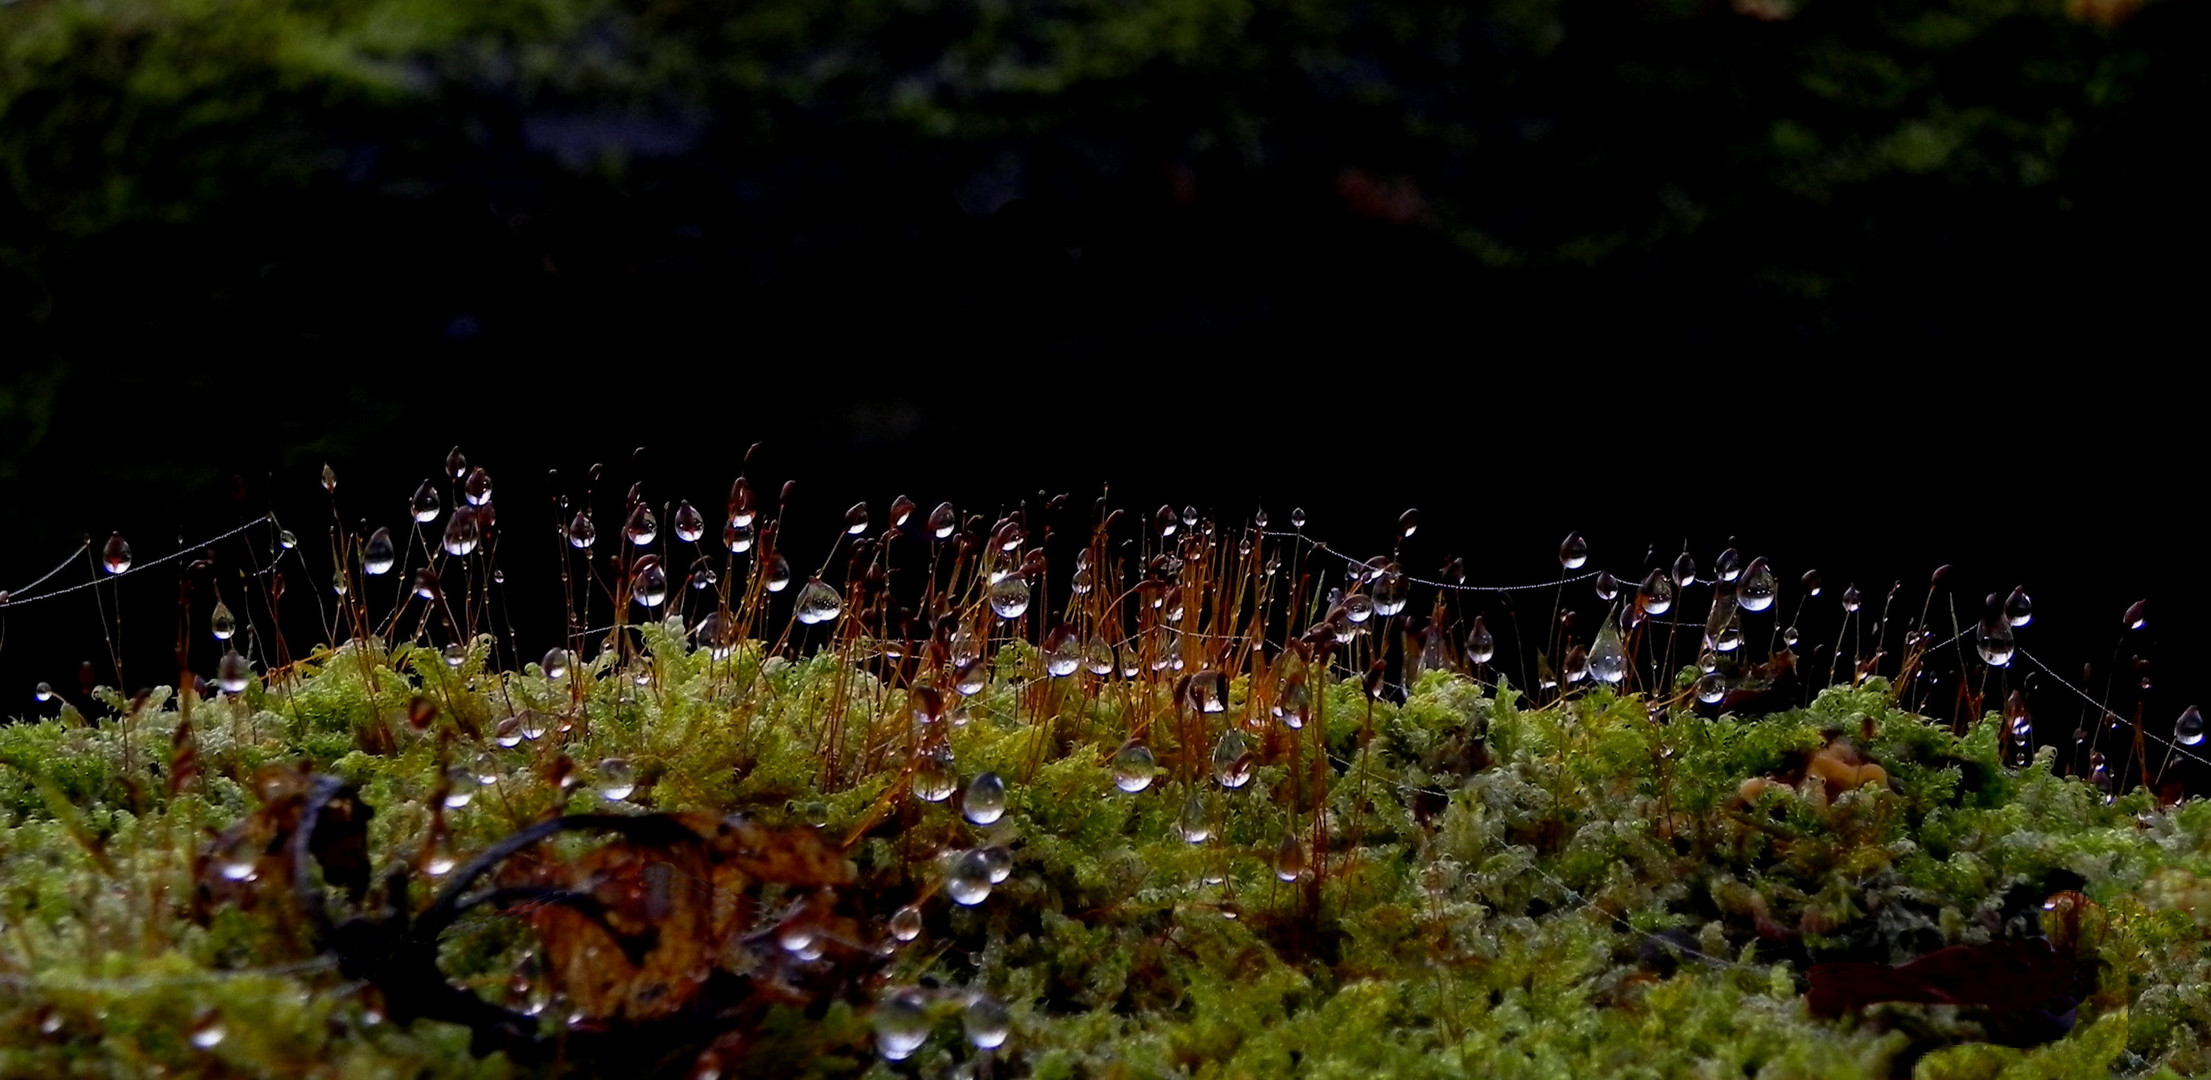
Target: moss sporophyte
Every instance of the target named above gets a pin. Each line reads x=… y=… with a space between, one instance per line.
x=1202 y=800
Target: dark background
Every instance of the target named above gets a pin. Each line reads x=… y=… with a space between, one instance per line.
x=1872 y=289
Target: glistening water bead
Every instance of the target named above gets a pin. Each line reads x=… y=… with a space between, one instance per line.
x=985 y=799
x=378 y=555
x=1134 y=767
x=986 y=1022
x=817 y=603
x=901 y=1025
x=115 y=555
x=969 y=883
x=2188 y=730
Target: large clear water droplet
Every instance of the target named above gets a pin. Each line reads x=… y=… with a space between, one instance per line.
x=1850 y=599
x=1010 y=597
x=2019 y=607
x=222 y=622
x=378 y=556
x=1685 y=570
x=1358 y=607
x=906 y=923
x=1480 y=644
x=778 y=573
x=1811 y=583
x=1134 y=767
x=1608 y=658
x=1297 y=517
x=581 y=532
x=1573 y=551
x=1195 y=825
x=737 y=538
x=555 y=664
x=617 y=779
x=969 y=882
x=2188 y=730
x=1758 y=587
x=985 y=800
x=649 y=581
x=987 y=1022
x=115 y=555
x=856 y=519
x=232 y=673
x=1063 y=656
x=641 y=528
x=1608 y=586
x=1097 y=656
x=689 y=523
x=455 y=655
x=424 y=506
x=901 y=1024
x=461 y=532
x=1711 y=688
x=460 y=786
x=477 y=490
x=943 y=520
x=1994 y=642
x=1289 y=857
x=1390 y=591
x=1656 y=594
x=1729 y=566
x=934 y=778
x=2137 y=615
x=1730 y=635
x=1232 y=760
x=817 y=603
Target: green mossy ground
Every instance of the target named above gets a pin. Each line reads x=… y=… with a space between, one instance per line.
x=1566 y=891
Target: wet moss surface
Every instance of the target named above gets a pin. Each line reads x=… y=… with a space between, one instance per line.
x=1444 y=879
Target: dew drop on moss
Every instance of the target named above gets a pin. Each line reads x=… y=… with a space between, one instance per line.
x=1194 y=825
x=1480 y=644
x=1608 y=661
x=617 y=779
x=206 y=1031
x=1711 y=688
x=1758 y=587
x=901 y=1024
x=460 y=786
x=1134 y=767
x=817 y=603
x=649 y=582
x=1010 y=597
x=231 y=673
x=641 y=528
x=906 y=923
x=1289 y=858
x=379 y=555
x=985 y=800
x=969 y=882
x=1232 y=760
x=934 y=778
x=986 y=1022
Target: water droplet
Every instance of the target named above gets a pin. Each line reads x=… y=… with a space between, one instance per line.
x=478 y=487
x=1063 y=653
x=1608 y=658
x=206 y=1031
x=649 y=581
x=902 y=1024
x=456 y=463
x=1010 y=597
x=329 y=479
x=460 y=786
x=1685 y=570
x=934 y=778
x=379 y=555
x=2188 y=730
x=902 y=510
x=1358 y=607
x=1995 y=642
x=999 y=861
x=856 y=519
x=817 y=603
x=455 y=655
x=1656 y=595
x=1850 y=599
x=1390 y=591
x=985 y=800
x=1608 y=586
x=2137 y=615
x=1708 y=661
x=1729 y=566
x=906 y=923
x=1480 y=645
x=222 y=622
x=508 y=733
x=1134 y=767
x=232 y=673
x=986 y=1022
x=115 y=556
x=1573 y=551
x=1811 y=583
x=1789 y=636
x=1194 y=825
x=2019 y=607
x=1297 y=517
x=689 y=523
x=641 y=528
x=1730 y=636
x=1097 y=656
x=44 y=692
x=943 y=520
x=969 y=882
x=617 y=779
x=971 y=677
x=533 y=724
x=778 y=573
x=1711 y=688
x=1232 y=760
x=424 y=506
x=1577 y=664
x=555 y=663
x=1758 y=587
x=461 y=532
x=286 y=539
x=581 y=532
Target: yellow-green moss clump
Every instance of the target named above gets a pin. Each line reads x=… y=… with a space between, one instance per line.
x=1446 y=882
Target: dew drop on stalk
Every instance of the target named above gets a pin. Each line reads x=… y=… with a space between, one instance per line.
x=1407 y=523
x=232 y=673
x=1577 y=664
x=856 y=519
x=1080 y=584
x=1063 y=656
x=2019 y=607
x=2137 y=615
x=456 y=463
x=2188 y=730
x=737 y=538
x=555 y=663
x=906 y=923
x=206 y=1031
x=477 y=489
x=1711 y=688
x=1010 y=597
x=1480 y=644
x=984 y=802
x=902 y=511
x=1850 y=600
x=741 y=500
x=1608 y=586
x=222 y=622
x=378 y=556
x=641 y=528
x=426 y=583
x=532 y=723
x=115 y=555
x=718 y=632
x=455 y=655
x=424 y=506
x=1097 y=656
x=901 y=1024
x=817 y=603
x=689 y=523
x=286 y=539
x=969 y=882
x=508 y=733
x=581 y=532
x=778 y=573
x=1789 y=636
x=1729 y=566
x=44 y=692
x=1134 y=767
x=1656 y=594
x=2018 y=731
x=934 y=778
x=1708 y=661
x=1811 y=583
x=1389 y=591
x=986 y=1021
x=969 y=678
x=1685 y=570
x=1608 y=660
x=460 y=786
x=1289 y=857
x=1193 y=824
x=1757 y=588
x=1297 y=517
x=1232 y=760
x=617 y=779
x=649 y=581
x=1573 y=551
x=943 y=520
x=461 y=532
x=1730 y=636
x=1358 y=607
x=998 y=863
x=702 y=576
x=1994 y=642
